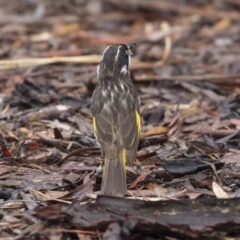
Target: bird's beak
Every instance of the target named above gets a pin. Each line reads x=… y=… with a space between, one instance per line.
x=130 y=46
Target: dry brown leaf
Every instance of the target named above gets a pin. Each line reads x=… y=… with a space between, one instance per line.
x=155 y=131
x=218 y=191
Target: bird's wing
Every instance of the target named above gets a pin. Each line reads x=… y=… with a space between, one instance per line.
x=103 y=119
x=120 y=124
x=129 y=127
x=130 y=135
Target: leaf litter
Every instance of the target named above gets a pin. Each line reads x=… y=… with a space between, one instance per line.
x=185 y=180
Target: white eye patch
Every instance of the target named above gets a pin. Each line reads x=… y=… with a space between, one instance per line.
x=124 y=70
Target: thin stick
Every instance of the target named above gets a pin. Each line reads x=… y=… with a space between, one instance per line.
x=54 y=230
x=168 y=44
x=50 y=198
x=30 y=62
x=205 y=77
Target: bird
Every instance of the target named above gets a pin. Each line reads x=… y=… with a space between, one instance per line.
x=115 y=110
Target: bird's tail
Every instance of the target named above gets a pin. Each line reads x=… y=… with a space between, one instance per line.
x=114 y=176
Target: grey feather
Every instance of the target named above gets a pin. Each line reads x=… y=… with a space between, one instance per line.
x=114 y=178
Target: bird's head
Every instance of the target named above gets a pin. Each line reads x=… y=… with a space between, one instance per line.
x=115 y=61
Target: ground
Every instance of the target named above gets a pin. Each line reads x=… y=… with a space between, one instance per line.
x=186 y=69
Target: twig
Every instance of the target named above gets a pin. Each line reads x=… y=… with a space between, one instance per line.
x=179 y=193
x=51 y=198
x=55 y=230
x=78 y=151
x=143 y=199
x=221 y=133
x=168 y=44
x=29 y=62
x=205 y=77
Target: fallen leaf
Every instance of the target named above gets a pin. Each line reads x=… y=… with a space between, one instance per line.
x=218 y=191
x=154 y=131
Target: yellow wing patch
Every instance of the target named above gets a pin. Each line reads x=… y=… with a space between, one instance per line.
x=94 y=125
x=138 y=121
x=95 y=128
x=124 y=158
